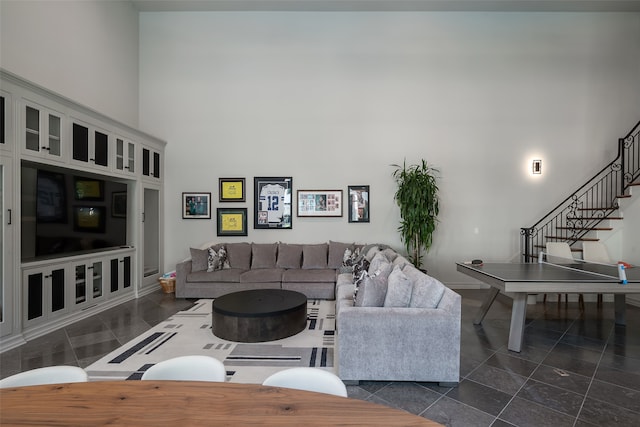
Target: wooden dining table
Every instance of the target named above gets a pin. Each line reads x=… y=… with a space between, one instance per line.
x=189 y=403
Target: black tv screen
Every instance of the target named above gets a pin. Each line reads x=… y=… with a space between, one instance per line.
x=65 y=212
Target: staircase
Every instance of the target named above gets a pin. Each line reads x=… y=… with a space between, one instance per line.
x=592 y=208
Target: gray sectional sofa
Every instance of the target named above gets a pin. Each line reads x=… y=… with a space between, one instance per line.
x=393 y=322
x=399 y=324
x=311 y=269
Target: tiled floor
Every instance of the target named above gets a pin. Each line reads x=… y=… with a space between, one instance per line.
x=576 y=368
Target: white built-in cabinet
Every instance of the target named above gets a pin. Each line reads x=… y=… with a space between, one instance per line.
x=41 y=294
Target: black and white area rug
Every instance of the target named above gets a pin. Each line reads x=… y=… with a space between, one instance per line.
x=189 y=332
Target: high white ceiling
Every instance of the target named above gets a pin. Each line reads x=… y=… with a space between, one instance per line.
x=390 y=5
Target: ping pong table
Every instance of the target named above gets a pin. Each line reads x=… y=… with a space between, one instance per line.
x=517 y=280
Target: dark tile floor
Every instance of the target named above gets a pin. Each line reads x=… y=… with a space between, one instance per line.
x=577 y=368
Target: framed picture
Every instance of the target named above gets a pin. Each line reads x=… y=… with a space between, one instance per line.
x=88 y=189
x=51 y=199
x=196 y=205
x=231 y=189
x=272 y=202
x=232 y=221
x=119 y=204
x=358 y=203
x=323 y=203
x=89 y=218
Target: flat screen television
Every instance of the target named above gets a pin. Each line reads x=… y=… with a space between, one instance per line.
x=66 y=212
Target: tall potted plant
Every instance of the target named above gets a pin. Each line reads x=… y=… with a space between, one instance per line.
x=417 y=197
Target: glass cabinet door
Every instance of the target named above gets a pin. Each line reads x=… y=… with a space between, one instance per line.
x=81 y=283
x=57 y=290
x=54 y=135
x=32 y=129
x=96 y=269
x=35 y=295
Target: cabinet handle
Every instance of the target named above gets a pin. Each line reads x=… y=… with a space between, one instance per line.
x=90 y=268
x=9 y=215
x=93 y=160
x=45 y=148
x=47 y=276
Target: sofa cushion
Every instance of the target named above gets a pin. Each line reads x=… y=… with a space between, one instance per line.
x=373 y=289
x=317 y=275
x=199 y=259
x=314 y=256
x=336 y=253
x=225 y=275
x=262 y=275
x=390 y=254
x=427 y=291
x=289 y=256
x=239 y=255
x=401 y=261
x=399 y=289
x=263 y=255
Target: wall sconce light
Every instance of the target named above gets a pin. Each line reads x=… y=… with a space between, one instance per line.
x=536 y=168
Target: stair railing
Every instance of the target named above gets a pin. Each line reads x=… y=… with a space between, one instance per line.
x=589 y=205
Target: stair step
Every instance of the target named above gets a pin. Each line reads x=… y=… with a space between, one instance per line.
x=624 y=196
x=586 y=228
x=588 y=218
x=544 y=248
x=581 y=239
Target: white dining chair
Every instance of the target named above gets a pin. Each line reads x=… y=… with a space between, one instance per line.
x=309 y=379
x=47 y=375
x=187 y=368
x=560 y=253
x=596 y=252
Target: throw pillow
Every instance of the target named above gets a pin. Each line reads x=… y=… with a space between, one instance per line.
x=350 y=257
x=371 y=251
x=398 y=289
x=378 y=261
x=373 y=289
x=336 y=253
x=427 y=291
x=314 y=256
x=217 y=258
x=289 y=256
x=263 y=255
x=239 y=255
x=199 y=259
x=361 y=266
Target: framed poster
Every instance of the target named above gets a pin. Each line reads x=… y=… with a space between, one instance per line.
x=51 y=198
x=89 y=218
x=232 y=221
x=88 y=189
x=358 y=203
x=324 y=203
x=272 y=202
x=196 y=205
x=119 y=204
x=231 y=189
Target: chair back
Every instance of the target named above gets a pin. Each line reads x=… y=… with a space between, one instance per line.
x=595 y=252
x=47 y=375
x=559 y=252
x=187 y=368
x=309 y=379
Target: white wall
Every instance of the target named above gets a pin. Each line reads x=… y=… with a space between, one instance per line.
x=332 y=99
x=84 y=50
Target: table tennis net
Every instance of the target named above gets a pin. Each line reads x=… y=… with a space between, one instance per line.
x=612 y=271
